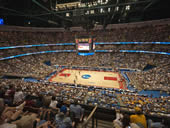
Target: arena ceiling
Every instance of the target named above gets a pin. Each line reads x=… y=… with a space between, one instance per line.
x=86 y=13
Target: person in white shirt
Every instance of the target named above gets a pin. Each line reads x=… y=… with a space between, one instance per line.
x=123 y=121
x=53 y=103
x=18 y=96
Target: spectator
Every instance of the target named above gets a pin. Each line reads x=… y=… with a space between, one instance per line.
x=10 y=95
x=26 y=121
x=76 y=112
x=63 y=121
x=2 y=92
x=126 y=122
x=152 y=124
x=123 y=121
x=53 y=103
x=18 y=96
x=3 y=121
x=63 y=109
x=47 y=100
x=139 y=118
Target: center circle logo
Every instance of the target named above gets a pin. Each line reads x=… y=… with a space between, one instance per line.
x=86 y=76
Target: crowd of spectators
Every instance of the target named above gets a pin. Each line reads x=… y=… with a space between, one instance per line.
x=150 y=105
x=154 y=79
x=28 y=66
x=149 y=33
x=55 y=104
x=106 y=98
x=36 y=105
x=137 y=120
x=52 y=104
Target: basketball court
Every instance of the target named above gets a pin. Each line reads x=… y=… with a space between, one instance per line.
x=104 y=79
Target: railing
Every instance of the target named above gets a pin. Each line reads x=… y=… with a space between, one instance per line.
x=102 y=114
x=89 y=117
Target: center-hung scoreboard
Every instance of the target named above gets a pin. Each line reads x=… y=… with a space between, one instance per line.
x=85 y=45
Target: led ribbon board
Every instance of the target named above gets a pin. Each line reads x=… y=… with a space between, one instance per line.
x=82 y=54
x=96 y=43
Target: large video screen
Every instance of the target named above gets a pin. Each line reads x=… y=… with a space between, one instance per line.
x=83 y=46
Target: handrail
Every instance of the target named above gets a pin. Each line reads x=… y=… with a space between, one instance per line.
x=89 y=117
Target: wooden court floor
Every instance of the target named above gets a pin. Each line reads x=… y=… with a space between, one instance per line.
x=89 y=78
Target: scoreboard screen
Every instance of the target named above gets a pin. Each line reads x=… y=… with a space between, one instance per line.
x=83 y=46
